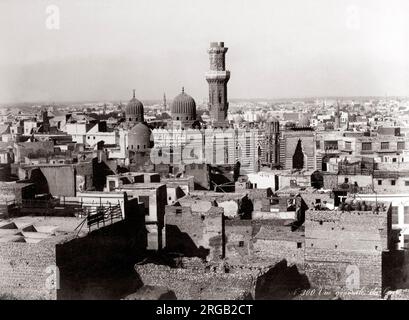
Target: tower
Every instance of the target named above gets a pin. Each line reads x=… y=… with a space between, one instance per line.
x=217 y=77
x=46 y=121
x=337 y=117
x=164 y=102
x=271 y=143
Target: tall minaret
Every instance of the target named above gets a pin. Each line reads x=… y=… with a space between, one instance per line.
x=217 y=77
x=337 y=117
x=164 y=102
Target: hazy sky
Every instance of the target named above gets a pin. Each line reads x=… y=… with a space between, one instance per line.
x=277 y=48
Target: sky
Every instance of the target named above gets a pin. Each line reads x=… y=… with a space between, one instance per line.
x=102 y=49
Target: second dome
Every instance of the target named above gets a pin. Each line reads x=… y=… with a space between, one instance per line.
x=183 y=107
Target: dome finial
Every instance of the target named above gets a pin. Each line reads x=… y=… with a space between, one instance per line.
x=134 y=93
x=183 y=89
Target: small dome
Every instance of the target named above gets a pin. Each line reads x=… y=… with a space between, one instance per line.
x=183 y=107
x=134 y=110
x=139 y=137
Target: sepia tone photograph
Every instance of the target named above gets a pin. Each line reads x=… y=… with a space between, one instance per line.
x=225 y=151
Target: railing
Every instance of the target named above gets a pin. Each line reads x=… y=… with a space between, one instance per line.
x=101 y=216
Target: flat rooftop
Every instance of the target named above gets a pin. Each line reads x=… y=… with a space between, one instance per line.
x=141 y=185
x=31 y=229
x=212 y=195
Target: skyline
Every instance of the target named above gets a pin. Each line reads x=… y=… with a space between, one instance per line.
x=281 y=53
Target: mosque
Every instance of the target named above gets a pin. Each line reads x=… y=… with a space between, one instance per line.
x=186 y=140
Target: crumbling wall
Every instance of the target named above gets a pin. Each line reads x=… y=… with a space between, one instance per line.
x=189 y=284
x=239 y=244
x=194 y=234
x=33 y=149
x=275 y=250
x=249 y=241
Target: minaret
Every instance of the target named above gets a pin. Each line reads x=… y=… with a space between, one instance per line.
x=337 y=118
x=164 y=102
x=217 y=77
x=46 y=121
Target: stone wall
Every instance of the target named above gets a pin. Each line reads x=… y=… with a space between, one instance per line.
x=23 y=270
x=191 y=284
x=277 y=250
x=343 y=246
x=34 y=149
x=194 y=234
x=266 y=241
x=99 y=265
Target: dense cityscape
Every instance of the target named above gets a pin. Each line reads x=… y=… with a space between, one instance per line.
x=191 y=198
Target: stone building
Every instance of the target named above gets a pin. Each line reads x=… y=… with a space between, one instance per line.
x=344 y=248
x=297 y=149
x=135 y=137
x=217 y=77
x=182 y=143
x=154 y=199
x=49 y=258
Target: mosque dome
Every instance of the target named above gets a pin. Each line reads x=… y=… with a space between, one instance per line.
x=183 y=107
x=134 y=110
x=139 y=137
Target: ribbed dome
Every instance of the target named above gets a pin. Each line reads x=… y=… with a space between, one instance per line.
x=134 y=110
x=183 y=107
x=139 y=137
